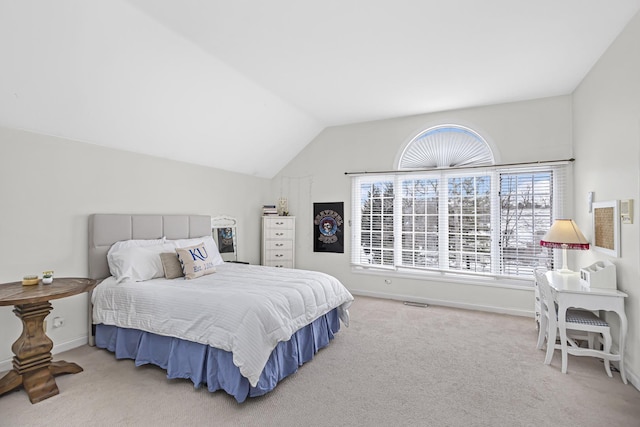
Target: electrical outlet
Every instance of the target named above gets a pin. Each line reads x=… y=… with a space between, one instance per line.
x=58 y=322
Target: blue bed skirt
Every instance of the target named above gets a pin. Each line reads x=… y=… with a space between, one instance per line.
x=203 y=364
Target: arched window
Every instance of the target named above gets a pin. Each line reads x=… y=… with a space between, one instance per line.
x=446 y=146
x=450 y=208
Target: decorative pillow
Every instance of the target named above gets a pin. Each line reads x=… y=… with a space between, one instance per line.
x=171 y=265
x=210 y=245
x=137 y=263
x=195 y=261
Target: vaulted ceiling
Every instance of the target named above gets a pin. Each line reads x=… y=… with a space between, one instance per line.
x=245 y=85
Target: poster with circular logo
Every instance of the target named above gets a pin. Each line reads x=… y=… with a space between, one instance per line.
x=328 y=227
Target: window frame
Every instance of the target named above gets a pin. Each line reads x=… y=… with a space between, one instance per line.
x=558 y=183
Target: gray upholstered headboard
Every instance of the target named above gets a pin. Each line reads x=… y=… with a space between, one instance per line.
x=106 y=229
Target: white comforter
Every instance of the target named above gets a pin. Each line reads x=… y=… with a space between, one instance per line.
x=244 y=309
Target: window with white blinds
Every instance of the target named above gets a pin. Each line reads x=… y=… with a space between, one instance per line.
x=527 y=210
x=479 y=220
x=374 y=239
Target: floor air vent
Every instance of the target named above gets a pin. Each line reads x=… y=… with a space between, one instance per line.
x=415 y=304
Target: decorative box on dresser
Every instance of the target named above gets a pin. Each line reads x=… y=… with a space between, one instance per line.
x=278 y=237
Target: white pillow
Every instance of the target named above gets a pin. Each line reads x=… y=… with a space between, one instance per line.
x=124 y=244
x=133 y=243
x=209 y=244
x=138 y=263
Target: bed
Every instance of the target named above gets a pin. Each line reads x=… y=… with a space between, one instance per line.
x=239 y=328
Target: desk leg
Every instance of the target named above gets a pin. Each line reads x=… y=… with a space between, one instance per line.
x=622 y=343
x=562 y=326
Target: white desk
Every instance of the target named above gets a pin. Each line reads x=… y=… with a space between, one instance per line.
x=569 y=291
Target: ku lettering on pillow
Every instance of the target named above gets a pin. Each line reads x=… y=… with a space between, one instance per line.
x=196 y=261
x=209 y=244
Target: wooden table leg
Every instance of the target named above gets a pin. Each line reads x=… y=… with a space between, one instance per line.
x=10 y=381
x=33 y=352
x=32 y=366
x=61 y=367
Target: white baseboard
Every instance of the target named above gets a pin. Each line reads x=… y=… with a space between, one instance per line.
x=632 y=378
x=6 y=365
x=454 y=304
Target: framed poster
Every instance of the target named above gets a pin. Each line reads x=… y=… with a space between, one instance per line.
x=328 y=227
x=606 y=227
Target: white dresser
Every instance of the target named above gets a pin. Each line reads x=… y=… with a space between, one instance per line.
x=278 y=238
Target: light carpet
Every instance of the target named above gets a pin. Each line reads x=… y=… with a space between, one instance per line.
x=396 y=365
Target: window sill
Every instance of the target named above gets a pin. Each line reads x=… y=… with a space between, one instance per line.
x=448 y=277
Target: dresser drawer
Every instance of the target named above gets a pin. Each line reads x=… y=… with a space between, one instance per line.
x=279 y=223
x=278 y=245
x=275 y=233
x=278 y=255
x=280 y=264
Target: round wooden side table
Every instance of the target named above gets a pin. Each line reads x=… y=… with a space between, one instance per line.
x=32 y=366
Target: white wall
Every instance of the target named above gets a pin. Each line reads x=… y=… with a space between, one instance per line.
x=606 y=122
x=599 y=125
x=520 y=132
x=49 y=186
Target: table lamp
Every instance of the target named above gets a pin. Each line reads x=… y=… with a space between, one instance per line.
x=564 y=234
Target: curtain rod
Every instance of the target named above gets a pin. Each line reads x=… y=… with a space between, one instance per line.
x=538 y=163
